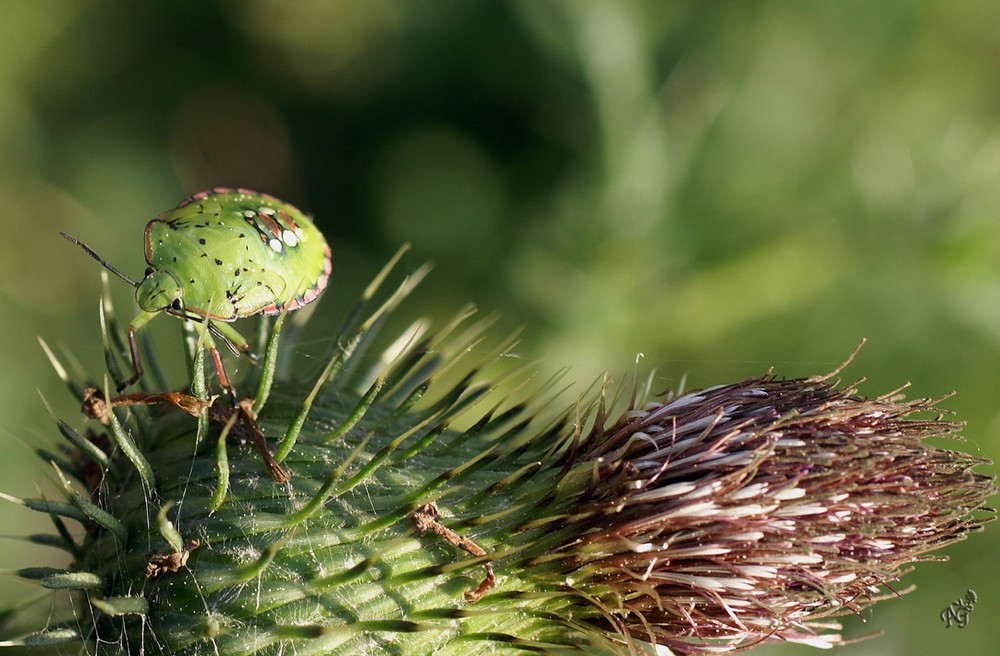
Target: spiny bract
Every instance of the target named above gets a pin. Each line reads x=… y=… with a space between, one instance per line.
x=433 y=509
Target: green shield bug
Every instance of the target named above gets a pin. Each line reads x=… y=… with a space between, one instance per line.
x=222 y=255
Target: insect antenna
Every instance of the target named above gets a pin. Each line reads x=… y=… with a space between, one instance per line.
x=104 y=263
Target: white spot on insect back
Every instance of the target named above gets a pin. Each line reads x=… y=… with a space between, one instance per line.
x=267 y=210
x=275 y=245
x=249 y=214
x=290 y=238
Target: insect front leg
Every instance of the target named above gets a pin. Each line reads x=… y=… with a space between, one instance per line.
x=133 y=347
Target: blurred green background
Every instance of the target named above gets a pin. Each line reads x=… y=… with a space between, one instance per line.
x=722 y=186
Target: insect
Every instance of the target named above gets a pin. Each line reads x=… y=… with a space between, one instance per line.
x=222 y=255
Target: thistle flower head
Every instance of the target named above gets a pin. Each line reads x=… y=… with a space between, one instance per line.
x=406 y=504
x=725 y=517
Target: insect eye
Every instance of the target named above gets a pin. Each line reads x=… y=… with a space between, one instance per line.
x=149 y=272
x=176 y=305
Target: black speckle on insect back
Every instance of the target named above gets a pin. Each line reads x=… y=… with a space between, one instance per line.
x=201 y=241
x=218 y=261
x=236 y=272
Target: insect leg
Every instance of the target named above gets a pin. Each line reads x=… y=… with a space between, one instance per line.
x=133 y=347
x=237 y=342
x=219 y=368
x=245 y=407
